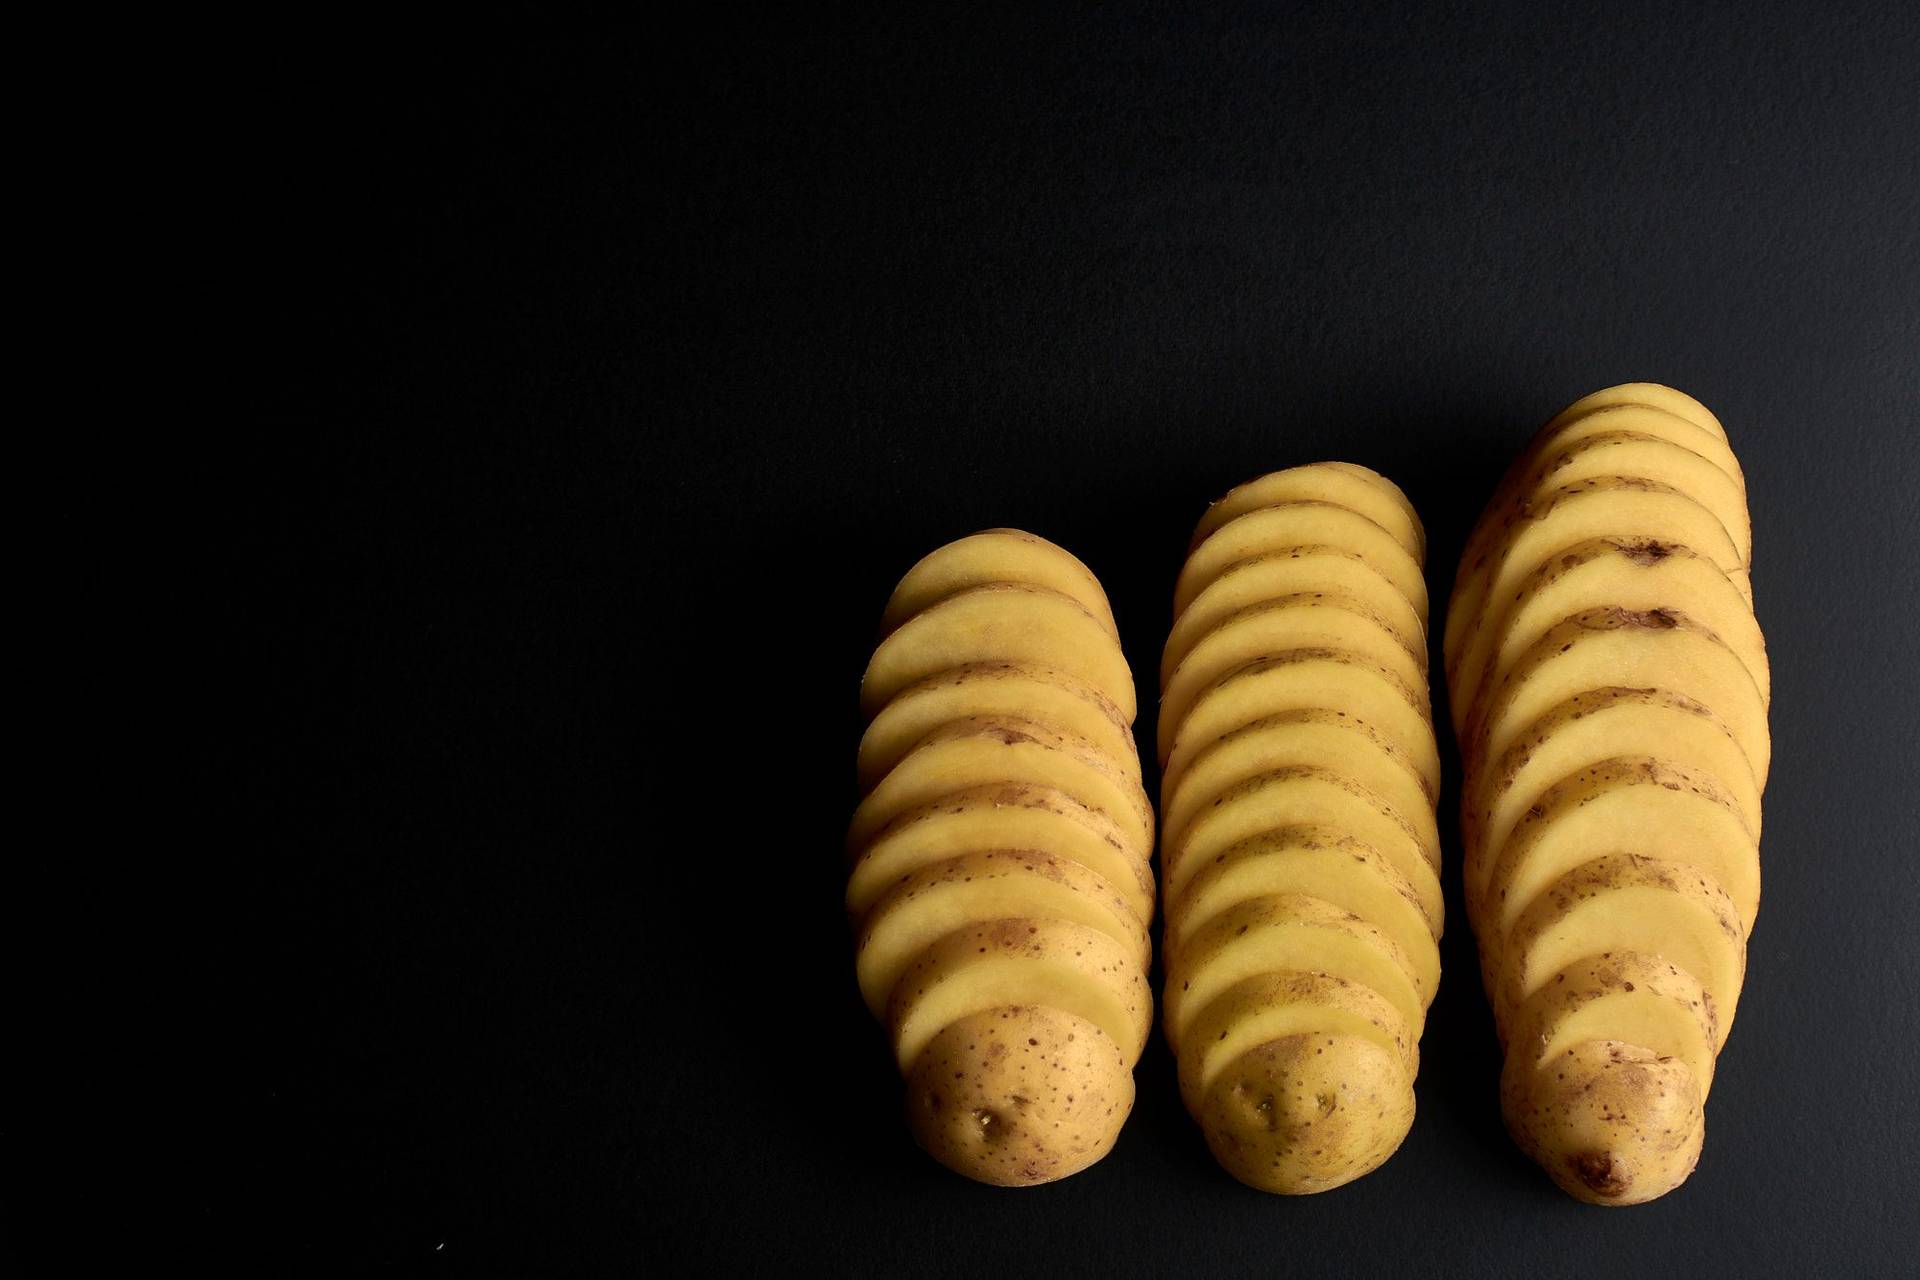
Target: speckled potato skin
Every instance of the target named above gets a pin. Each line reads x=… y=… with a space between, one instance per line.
x=1019 y=1095
x=1307 y=1113
x=1611 y=1123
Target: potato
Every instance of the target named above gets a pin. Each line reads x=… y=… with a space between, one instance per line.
x=1623 y=573
x=1610 y=1122
x=1321 y=862
x=1291 y=524
x=1649 y=457
x=994 y=557
x=1588 y=729
x=1005 y=622
x=1010 y=815
x=1316 y=620
x=1309 y=735
x=991 y=885
x=1623 y=901
x=1052 y=698
x=989 y=749
x=1307 y=1112
x=1288 y=572
x=1342 y=483
x=1278 y=932
x=1543 y=526
x=1625 y=997
x=1645 y=806
x=1305 y=679
x=1054 y=964
x=1274 y=1006
x=1641 y=396
x=1019 y=1095
x=1300 y=795
x=1612 y=648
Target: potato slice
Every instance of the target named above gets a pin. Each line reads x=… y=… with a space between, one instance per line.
x=1005 y=623
x=1315 y=620
x=1651 y=457
x=1648 y=395
x=1276 y=1006
x=1637 y=805
x=990 y=557
x=1283 y=932
x=1323 y=863
x=1308 y=736
x=1300 y=679
x=1020 y=962
x=1288 y=572
x=1306 y=1113
x=1052 y=698
x=1302 y=796
x=1291 y=524
x=1625 y=996
x=989 y=885
x=1000 y=815
x=1583 y=731
x=1341 y=483
x=999 y=749
x=1019 y=1095
x=1540 y=528
x=1621 y=573
x=1624 y=902
x=1615 y=648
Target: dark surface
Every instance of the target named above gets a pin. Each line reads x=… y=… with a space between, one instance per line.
x=630 y=372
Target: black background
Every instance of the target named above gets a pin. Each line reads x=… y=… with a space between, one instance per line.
x=619 y=375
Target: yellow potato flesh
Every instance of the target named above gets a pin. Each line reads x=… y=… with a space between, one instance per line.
x=1356 y=488
x=992 y=557
x=1638 y=453
x=1640 y=395
x=1274 y=1006
x=1291 y=524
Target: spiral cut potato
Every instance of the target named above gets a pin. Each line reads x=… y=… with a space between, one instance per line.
x=1609 y=689
x=1000 y=881
x=1299 y=850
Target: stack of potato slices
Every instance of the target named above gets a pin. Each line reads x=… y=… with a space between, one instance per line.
x=1300 y=854
x=1001 y=887
x=1610 y=689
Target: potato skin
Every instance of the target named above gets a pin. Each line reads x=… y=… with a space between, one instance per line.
x=1611 y=1123
x=1307 y=1113
x=1019 y=1095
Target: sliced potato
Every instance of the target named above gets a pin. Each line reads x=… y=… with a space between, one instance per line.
x=1621 y=573
x=1019 y=1095
x=1036 y=626
x=1538 y=529
x=997 y=749
x=1615 y=648
x=1651 y=457
x=1282 y=932
x=1276 y=1006
x=1288 y=572
x=1301 y=679
x=999 y=815
x=1301 y=796
x=1643 y=806
x=991 y=885
x=1649 y=395
x=1265 y=530
x=1583 y=731
x=1051 y=698
x=1625 y=997
x=1308 y=736
x=998 y=963
x=1341 y=483
x=1323 y=863
x=1624 y=902
x=992 y=557
x=1316 y=620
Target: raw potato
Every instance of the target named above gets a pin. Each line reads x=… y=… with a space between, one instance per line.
x=1017 y=814
x=1006 y=622
x=1634 y=574
x=1289 y=572
x=991 y=557
x=1300 y=853
x=1052 y=698
x=1290 y=524
x=1611 y=691
x=1000 y=883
